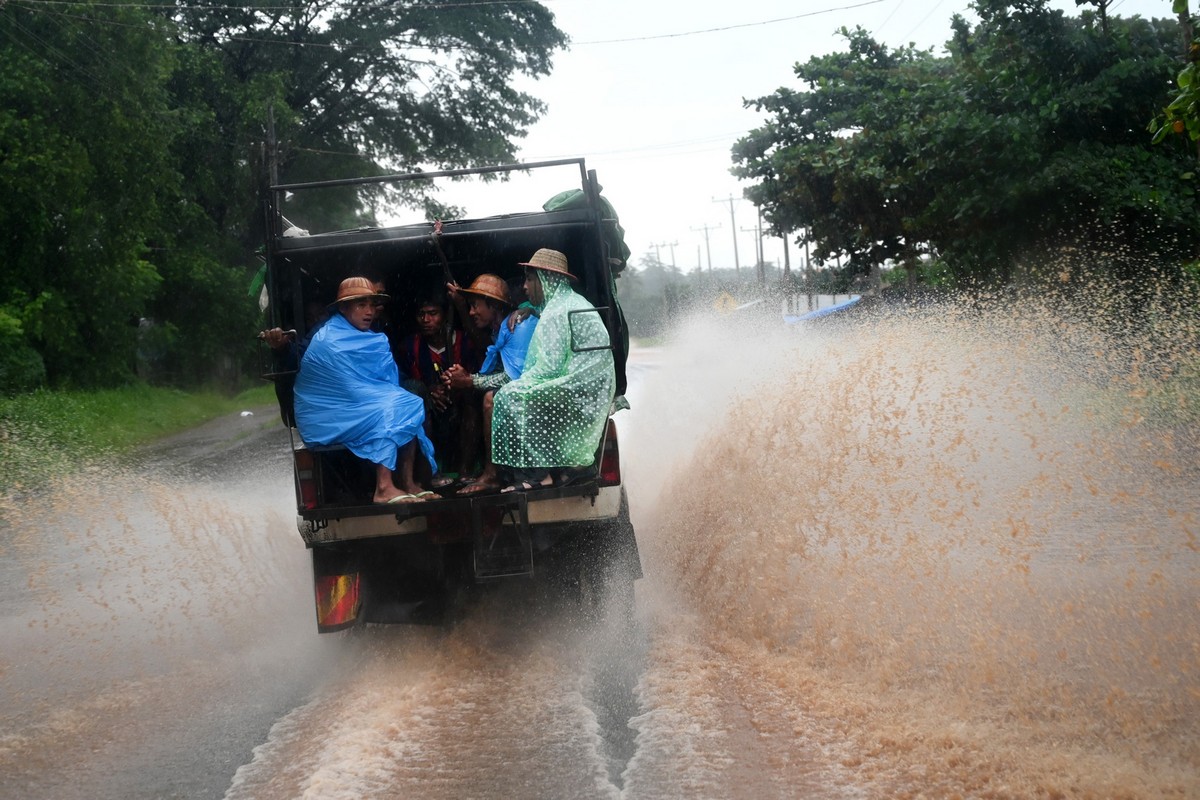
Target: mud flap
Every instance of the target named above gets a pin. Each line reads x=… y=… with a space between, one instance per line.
x=337 y=585
x=502 y=551
x=339 y=599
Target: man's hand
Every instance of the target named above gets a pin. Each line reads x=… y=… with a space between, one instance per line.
x=440 y=396
x=517 y=317
x=457 y=378
x=276 y=337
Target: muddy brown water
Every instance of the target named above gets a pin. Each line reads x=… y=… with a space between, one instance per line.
x=932 y=555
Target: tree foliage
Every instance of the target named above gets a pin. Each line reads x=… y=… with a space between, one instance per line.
x=1182 y=114
x=133 y=153
x=1030 y=130
x=82 y=173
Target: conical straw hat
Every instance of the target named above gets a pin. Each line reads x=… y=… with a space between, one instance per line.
x=489 y=285
x=356 y=289
x=549 y=260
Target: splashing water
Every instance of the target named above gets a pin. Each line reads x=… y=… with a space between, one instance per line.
x=941 y=552
x=957 y=545
x=133 y=599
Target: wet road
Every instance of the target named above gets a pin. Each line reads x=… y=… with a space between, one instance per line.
x=874 y=569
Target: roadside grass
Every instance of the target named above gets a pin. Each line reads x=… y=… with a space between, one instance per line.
x=46 y=431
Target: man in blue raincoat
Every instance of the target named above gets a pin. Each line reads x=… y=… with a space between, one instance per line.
x=348 y=392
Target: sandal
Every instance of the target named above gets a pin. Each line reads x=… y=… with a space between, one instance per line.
x=571 y=476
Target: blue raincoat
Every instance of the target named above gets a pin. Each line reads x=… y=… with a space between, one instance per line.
x=348 y=392
x=510 y=348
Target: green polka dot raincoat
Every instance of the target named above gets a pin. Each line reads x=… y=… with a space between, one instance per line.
x=554 y=414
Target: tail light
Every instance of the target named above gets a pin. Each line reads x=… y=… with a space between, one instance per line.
x=306 y=478
x=610 y=458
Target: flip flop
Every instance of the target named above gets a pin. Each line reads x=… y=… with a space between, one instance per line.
x=402 y=498
x=569 y=477
x=442 y=482
x=424 y=494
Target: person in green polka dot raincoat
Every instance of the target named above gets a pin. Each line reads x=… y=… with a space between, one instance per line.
x=551 y=418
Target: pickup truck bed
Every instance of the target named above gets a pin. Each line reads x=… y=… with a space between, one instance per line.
x=405 y=562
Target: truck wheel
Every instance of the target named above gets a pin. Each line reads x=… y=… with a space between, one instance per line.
x=606 y=565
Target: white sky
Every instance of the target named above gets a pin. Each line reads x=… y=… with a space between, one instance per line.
x=656 y=117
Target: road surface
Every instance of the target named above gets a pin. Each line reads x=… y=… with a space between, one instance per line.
x=874 y=569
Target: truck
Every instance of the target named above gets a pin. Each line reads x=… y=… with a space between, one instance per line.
x=421 y=562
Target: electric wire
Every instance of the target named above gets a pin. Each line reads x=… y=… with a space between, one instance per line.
x=722 y=29
x=924 y=18
x=183 y=7
x=887 y=19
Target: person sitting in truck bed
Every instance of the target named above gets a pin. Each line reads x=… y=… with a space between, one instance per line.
x=287 y=348
x=552 y=417
x=451 y=420
x=489 y=299
x=348 y=392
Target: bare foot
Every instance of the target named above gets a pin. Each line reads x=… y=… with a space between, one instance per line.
x=478 y=487
x=389 y=496
x=522 y=486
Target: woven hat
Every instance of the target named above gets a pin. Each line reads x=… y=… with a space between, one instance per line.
x=490 y=286
x=549 y=260
x=357 y=289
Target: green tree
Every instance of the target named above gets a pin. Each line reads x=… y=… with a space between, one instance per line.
x=1182 y=114
x=355 y=89
x=133 y=158
x=1030 y=130
x=363 y=88
x=83 y=115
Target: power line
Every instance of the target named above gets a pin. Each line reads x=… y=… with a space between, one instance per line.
x=182 y=7
x=924 y=18
x=887 y=19
x=295 y=7
x=724 y=28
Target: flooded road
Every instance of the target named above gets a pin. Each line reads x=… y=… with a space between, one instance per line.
x=894 y=560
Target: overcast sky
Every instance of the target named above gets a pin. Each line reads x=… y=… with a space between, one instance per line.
x=651 y=93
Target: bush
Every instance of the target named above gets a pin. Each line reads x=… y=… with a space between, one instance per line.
x=21 y=368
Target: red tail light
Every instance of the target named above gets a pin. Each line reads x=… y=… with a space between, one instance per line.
x=306 y=479
x=610 y=458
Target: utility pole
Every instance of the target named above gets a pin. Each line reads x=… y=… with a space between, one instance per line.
x=760 y=267
x=762 y=256
x=757 y=250
x=787 y=261
x=665 y=244
x=808 y=272
x=732 y=224
x=706 y=228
